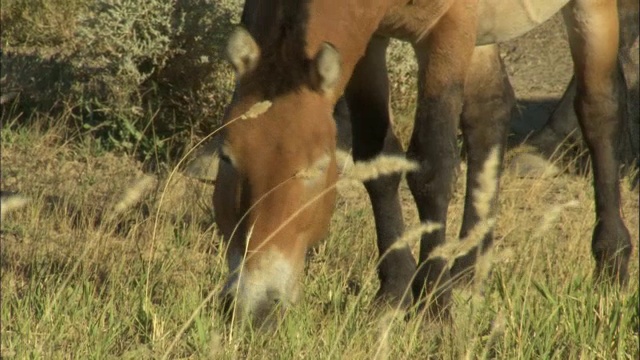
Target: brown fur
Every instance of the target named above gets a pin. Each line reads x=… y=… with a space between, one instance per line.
x=256 y=156
x=298 y=132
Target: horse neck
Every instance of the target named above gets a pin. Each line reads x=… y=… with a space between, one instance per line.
x=348 y=25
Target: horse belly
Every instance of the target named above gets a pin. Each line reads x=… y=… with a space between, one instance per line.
x=410 y=22
x=502 y=20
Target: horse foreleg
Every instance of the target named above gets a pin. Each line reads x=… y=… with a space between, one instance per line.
x=443 y=59
x=367 y=95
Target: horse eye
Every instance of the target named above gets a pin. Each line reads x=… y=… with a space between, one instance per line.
x=224 y=157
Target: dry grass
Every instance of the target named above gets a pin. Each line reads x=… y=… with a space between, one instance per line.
x=76 y=288
x=141 y=284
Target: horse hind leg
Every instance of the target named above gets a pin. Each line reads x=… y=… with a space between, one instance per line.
x=562 y=125
x=593 y=36
x=488 y=103
x=563 y=122
x=367 y=95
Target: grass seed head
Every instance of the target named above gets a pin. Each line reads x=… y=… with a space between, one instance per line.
x=11 y=202
x=487 y=184
x=256 y=110
x=380 y=166
x=483 y=197
x=413 y=235
x=142 y=186
x=551 y=216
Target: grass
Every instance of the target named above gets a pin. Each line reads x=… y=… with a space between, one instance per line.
x=77 y=287
x=84 y=275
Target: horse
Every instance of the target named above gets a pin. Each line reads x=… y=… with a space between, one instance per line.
x=275 y=185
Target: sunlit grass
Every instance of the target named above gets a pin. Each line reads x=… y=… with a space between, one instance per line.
x=76 y=288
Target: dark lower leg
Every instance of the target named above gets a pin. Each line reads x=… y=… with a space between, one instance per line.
x=367 y=96
x=396 y=267
x=443 y=59
x=488 y=102
x=611 y=242
x=433 y=146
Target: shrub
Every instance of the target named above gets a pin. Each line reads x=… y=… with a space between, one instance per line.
x=196 y=84
x=125 y=41
x=141 y=75
x=403 y=73
x=161 y=76
x=135 y=73
x=38 y=23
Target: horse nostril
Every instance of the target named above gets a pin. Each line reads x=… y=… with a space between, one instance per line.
x=273 y=296
x=270 y=312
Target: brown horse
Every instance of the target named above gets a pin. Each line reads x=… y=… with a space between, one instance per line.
x=274 y=194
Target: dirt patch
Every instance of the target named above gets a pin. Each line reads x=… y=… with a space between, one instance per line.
x=540 y=68
x=539 y=62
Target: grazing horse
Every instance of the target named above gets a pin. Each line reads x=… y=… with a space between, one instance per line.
x=275 y=188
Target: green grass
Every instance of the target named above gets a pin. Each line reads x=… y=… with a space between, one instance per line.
x=71 y=289
x=77 y=285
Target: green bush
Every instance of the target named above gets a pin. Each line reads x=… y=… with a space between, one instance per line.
x=39 y=24
x=143 y=76
x=196 y=84
x=136 y=73
x=160 y=76
x=126 y=41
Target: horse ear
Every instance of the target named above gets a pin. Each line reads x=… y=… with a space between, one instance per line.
x=242 y=51
x=327 y=67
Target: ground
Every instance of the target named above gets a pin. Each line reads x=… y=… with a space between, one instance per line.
x=539 y=66
x=80 y=280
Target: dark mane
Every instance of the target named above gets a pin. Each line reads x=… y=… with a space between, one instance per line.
x=279 y=27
